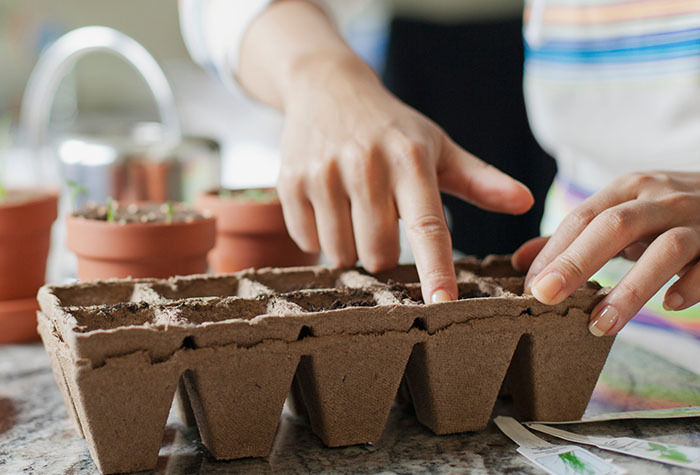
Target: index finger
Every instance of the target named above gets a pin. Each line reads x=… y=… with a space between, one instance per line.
x=608 y=234
x=573 y=225
x=420 y=206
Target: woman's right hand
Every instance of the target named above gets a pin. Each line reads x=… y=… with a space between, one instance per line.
x=355 y=160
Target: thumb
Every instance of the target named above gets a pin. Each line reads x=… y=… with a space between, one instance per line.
x=523 y=257
x=473 y=180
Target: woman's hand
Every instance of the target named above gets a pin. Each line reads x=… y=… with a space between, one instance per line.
x=652 y=218
x=355 y=160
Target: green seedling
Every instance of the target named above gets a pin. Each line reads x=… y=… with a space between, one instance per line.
x=252 y=194
x=75 y=191
x=110 y=209
x=171 y=213
x=255 y=194
x=225 y=194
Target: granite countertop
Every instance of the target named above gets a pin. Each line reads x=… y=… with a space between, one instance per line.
x=36 y=436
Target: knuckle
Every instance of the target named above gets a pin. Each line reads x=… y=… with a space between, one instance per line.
x=344 y=259
x=378 y=261
x=631 y=294
x=303 y=239
x=364 y=170
x=322 y=174
x=377 y=264
x=297 y=231
x=289 y=185
x=638 y=180
x=306 y=246
x=379 y=248
x=412 y=157
x=581 y=217
x=408 y=147
x=571 y=265
x=430 y=226
x=661 y=177
x=617 y=221
x=680 y=242
x=414 y=150
x=437 y=277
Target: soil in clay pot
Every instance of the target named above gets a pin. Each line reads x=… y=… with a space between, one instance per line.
x=26 y=217
x=139 y=240
x=251 y=231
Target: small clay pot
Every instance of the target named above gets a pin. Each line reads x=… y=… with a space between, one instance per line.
x=25 y=235
x=18 y=320
x=250 y=233
x=159 y=249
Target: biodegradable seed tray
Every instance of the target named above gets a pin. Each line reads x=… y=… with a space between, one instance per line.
x=341 y=340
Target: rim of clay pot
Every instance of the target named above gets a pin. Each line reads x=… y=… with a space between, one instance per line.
x=43 y=207
x=32 y=195
x=112 y=240
x=245 y=216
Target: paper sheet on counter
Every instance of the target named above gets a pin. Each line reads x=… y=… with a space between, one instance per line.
x=554 y=459
x=675 y=413
x=671 y=454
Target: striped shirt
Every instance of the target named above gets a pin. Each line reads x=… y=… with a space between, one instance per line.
x=613 y=86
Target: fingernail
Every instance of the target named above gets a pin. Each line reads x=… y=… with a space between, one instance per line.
x=673 y=301
x=545 y=289
x=528 y=284
x=604 y=321
x=441 y=296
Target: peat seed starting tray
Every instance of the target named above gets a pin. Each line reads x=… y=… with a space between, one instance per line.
x=233 y=346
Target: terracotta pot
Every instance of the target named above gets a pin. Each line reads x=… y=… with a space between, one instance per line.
x=25 y=234
x=18 y=320
x=250 y=233
x=160 y=249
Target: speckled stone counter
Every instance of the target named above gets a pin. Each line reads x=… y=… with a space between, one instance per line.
x=36 y=436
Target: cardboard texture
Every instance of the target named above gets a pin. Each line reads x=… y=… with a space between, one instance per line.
x=343 y=341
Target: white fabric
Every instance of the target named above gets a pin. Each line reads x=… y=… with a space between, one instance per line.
x=213 y=31
x=611 y=88
x=599 y=119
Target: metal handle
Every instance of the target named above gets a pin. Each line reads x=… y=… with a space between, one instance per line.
x=60 y=58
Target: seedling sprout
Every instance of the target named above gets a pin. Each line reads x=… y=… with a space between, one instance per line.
x=252 y=194
x=110 y=209
x=75 y=191
x=171 y=212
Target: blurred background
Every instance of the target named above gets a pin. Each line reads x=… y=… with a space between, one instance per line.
x=459 y=62
x=103 y=96
x=101 y=127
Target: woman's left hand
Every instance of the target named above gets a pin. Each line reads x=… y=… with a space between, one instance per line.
x=652 y=218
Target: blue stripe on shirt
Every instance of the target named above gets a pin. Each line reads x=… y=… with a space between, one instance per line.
x=674 y=50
